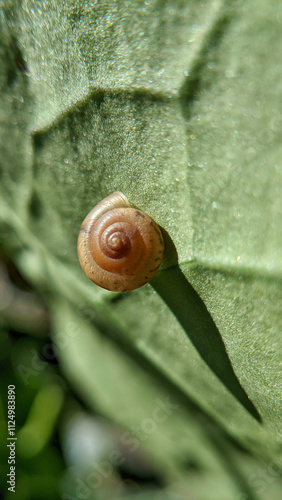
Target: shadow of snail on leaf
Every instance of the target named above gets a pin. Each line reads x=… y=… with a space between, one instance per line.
x=195 y=319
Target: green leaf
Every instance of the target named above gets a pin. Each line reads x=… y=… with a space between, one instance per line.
x=178 y=105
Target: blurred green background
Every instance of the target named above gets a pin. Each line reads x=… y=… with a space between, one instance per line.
x=66 y=449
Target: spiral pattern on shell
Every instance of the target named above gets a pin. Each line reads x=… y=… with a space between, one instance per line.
x=120 y=248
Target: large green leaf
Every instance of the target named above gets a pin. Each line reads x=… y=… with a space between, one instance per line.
x=178 y=105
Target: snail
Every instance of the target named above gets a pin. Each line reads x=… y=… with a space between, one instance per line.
x=119 y=247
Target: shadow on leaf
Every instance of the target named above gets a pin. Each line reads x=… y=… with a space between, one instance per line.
x=192 y=314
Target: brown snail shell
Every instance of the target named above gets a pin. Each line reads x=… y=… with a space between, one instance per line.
x=119 y=247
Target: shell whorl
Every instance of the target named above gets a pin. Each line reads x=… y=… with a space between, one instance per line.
x=120 y=248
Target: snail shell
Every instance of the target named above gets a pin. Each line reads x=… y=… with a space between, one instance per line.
x=119 y=247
